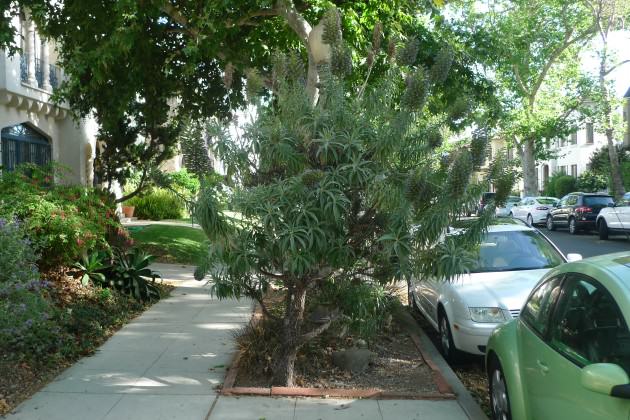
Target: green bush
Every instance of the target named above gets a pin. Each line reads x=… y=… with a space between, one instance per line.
x=625 y=172
x=365 y=305
x=28 y=322
x=63 y=221
x=564 y=185
x=589 y=181
x=549 y=188
x=17 y=257
x=158 y=204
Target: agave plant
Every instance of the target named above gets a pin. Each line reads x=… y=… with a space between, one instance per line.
x=131 y=274
x=92 y=267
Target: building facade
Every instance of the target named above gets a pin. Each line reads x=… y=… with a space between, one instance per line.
x=573 y=154
x=32 y=128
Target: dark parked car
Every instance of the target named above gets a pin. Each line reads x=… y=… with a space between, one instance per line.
x=577 y=211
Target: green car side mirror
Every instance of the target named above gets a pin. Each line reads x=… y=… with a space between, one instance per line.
x=607 y=379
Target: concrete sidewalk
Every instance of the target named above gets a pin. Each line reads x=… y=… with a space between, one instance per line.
x=166 y=365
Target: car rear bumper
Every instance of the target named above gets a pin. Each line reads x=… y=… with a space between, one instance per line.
x=585 y=224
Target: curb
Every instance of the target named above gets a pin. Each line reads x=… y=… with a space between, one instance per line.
x=465 y=400
x=445 y=391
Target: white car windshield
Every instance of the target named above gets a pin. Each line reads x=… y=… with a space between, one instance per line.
x=515 y=250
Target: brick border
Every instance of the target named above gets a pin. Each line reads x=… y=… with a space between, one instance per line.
x=445 y=392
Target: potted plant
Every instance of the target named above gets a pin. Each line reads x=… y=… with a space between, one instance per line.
x=128 y=211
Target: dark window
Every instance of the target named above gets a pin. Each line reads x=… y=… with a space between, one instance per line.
x=574 y=171
x=588 y=326
x=590 y=135
x=537 y=310
x=22 y=144
x=594 y=200
x=573 y=138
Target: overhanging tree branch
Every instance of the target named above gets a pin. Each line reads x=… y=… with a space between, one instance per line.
x=180 y=19
x=615 y=67
x=246 y=20
x=568 y=41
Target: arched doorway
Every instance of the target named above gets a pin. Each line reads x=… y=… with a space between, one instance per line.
x=23 y=144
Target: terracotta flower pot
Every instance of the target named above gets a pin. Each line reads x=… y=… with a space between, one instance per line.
x=128 y=211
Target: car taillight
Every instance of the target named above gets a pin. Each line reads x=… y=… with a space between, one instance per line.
x=542 y=208
x=583 y=209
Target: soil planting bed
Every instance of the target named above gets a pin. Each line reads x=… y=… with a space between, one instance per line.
x=400 y=369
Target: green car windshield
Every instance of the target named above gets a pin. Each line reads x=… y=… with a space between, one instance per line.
x=515 y=250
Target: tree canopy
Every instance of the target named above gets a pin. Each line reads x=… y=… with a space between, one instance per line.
x=140 y=67
x=531 y=48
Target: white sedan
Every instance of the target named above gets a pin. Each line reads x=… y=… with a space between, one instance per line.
x=512 y=258
x=534 y=210
x=509 y=203
x=614 y=219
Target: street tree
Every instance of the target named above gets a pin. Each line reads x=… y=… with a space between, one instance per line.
x=143 y=67
x=339 y=179
x=531 y=48
x=608 y=16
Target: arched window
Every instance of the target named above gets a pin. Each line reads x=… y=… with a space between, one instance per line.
x=22 y=144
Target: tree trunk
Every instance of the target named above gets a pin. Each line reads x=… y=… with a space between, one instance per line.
x=312 y=80
x=528 y=160
x=284 y=359
x=615 y=169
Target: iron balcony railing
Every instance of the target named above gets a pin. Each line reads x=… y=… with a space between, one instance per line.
x=24 y=67
x=39 y=72
x=54 y=73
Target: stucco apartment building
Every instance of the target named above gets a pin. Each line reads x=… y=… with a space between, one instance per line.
x=32 y=128
x=572 y=154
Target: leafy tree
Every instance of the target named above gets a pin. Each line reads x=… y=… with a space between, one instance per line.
x=342 y=181
x=531 y=47
x=589 y=181
x=600 y=163
x=608 y=16
x=126 y=61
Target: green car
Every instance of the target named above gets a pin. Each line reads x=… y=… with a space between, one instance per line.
x=568 y=354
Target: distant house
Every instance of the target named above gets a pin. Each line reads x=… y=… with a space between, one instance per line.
x=32 y=128
x=574 y=152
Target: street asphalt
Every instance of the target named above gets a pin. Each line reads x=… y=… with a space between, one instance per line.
x=587 y=243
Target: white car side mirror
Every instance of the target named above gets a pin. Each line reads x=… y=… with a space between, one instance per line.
x=574 y=257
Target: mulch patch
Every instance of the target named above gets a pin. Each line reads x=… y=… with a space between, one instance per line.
x=400 y=369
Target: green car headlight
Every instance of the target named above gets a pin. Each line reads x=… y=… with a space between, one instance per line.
x=489 y=315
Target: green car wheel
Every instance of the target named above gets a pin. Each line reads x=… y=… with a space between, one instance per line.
x=499 y=399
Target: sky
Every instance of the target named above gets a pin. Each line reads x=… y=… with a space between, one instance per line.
x=620 y=44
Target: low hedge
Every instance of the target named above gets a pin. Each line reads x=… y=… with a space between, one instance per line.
x=158 y=204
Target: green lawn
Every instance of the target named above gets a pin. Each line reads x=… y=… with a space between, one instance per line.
x=170 y=244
